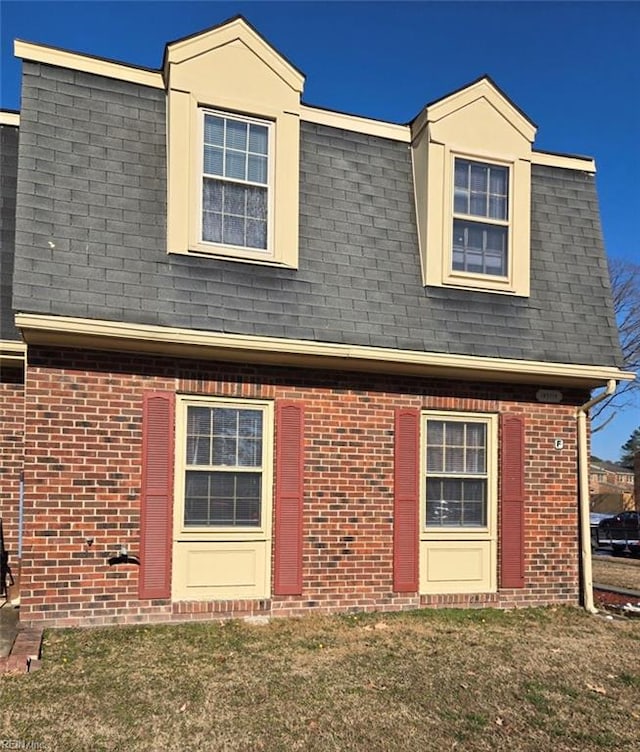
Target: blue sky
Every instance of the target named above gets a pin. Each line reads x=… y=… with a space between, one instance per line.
x=573 y=67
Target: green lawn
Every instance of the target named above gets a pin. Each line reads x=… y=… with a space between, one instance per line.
x=538 y=680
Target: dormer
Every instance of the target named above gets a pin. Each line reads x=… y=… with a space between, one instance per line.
x=472 y=176
x=233 y=106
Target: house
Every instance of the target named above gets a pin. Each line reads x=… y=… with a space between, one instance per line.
x=262 y=357
x=611 y=487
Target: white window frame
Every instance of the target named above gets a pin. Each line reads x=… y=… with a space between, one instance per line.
x=248 y=252
x=488 y=531
x=482 y=220
x=230 y=533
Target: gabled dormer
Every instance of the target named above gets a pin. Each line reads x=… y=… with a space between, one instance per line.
x=472 y=176
x=233 y=146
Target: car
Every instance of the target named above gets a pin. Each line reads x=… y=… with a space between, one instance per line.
x=620 y=531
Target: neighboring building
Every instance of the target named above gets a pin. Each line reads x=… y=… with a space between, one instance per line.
x=610 y=487
x=284 y=359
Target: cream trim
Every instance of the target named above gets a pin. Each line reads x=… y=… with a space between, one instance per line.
x=9 y=118
x=76 y=61
x=308 y=113
x=355 y=123
x=566 y=161
x=12 y=354
x=187 y=49
x=188 y=343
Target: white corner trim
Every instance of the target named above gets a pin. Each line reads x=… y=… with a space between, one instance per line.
x=87 y=64
x=9 y=118
x=112 y=335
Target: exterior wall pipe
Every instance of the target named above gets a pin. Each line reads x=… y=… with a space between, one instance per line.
x=583 y=495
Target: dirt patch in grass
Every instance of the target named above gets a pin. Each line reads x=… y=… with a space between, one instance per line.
x=531 y=680
x=623 y=573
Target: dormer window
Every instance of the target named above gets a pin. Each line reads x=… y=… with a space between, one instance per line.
x=472 y=174
x=480 y=218
x=235 y=181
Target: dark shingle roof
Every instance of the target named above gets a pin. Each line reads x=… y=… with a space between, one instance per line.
x=8 y=175
x=101 y=202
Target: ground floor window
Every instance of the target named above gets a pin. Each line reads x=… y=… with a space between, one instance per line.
x=223 y=505
x=459 y=502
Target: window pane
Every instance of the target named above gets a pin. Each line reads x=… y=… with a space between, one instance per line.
x=212 y=195
x=250 y=452
x=435 y=432
x=257 y=169
x=250 y=423
x=497 y=207
x=456 y=498
x=498 y=180
x=199 y=420
x=236 y=135
x=461 y=178
x=223 y=499
x=235 y=165
x=213 y=130
x=256 y=233
x=258 y=139
x=234 y=199
x=435 y=459
x=478 y=178
x=213 y=160
x=454 y=434
x=460 y=202
x=256 y=202
x=233 y=230
x=478 y=204
x=225 y=422
x=454 y=460
x=212 y=227
x=225 y=452
x=198 y=450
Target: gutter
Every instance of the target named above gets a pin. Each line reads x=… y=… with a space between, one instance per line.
x=583 y=495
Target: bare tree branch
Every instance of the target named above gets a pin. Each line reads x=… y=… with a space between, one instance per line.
x=625 y=289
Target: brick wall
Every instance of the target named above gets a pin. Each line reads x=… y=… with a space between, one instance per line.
x=83 y=442
x=11 y=455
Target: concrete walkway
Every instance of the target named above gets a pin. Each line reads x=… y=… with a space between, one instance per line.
x=8 y=628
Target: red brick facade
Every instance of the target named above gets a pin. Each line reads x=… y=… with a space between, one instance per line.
x=11 y=456
x=82 y=475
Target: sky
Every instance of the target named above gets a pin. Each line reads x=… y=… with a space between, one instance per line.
x=573 y=67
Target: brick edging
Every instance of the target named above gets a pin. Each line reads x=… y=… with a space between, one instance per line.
x=25 y=652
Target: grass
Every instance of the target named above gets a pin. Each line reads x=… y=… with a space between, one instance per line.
x=530 y=680
x=624 y=573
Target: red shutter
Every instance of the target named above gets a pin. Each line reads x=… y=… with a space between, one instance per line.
x=512 y=501
x=157 y=495
x=406 y=501
x=289 y=498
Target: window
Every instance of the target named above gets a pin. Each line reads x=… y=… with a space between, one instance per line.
x=224 y=464
x=456 y=474
x=459 y=509
x=235 y=181
x=480 y=218
x=471 y=155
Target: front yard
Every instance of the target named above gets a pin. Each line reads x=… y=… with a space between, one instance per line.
x=543 y=679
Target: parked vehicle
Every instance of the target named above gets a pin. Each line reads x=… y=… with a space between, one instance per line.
x=620 y=531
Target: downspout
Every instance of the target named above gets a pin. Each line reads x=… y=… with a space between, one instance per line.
x=583 y=495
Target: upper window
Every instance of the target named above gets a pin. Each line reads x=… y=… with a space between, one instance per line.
x=457 y=476
x=472 y=175
x=224 y=465
x=480 y=218
x=235 y=181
